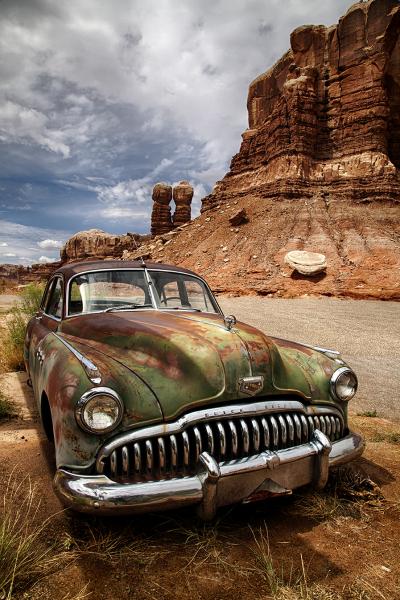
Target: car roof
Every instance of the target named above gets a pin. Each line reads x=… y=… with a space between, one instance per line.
x=74 y=268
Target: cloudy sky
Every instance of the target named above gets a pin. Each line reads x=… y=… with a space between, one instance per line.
x=99 y=100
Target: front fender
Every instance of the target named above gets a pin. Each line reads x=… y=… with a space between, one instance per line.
x=63 y=379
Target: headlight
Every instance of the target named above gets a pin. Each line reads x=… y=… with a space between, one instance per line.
x=99 y=410
x=344 y=384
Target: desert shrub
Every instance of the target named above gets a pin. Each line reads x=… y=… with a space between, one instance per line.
x=24 y=309
x=6 y=409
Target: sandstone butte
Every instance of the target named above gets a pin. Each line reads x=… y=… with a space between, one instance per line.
x=318 y=170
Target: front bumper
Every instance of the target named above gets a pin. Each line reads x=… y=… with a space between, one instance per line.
x=268 y=473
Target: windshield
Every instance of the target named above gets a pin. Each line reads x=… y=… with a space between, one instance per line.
x=129 y=290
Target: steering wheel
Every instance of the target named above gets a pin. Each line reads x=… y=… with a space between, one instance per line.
x=171 y=298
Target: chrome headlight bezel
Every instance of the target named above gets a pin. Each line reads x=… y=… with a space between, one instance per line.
x=86 y=398
x=335 y=380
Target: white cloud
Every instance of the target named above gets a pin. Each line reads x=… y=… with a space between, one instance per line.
x=49 y=244
x=3 y=244
x=27 y=125
x=184 y=67
x=45 y=259
x=9 y=254
x=23 y=241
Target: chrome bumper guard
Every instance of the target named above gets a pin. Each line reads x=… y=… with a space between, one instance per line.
x=269 y=473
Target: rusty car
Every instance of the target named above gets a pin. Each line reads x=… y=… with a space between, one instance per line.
x=157 y=400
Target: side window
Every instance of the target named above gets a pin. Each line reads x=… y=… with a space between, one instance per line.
x=170 y=294
x=196 y=296
x=75 y=298
x=54 y=303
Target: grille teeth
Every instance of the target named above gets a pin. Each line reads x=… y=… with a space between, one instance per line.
x=177 y=455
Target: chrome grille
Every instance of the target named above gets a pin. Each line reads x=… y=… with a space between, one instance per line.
x=227 y=439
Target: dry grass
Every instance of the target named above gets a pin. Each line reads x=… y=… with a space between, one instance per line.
x=14 y=333
x=7 y=411
x=368 y=413
x=389 y=437
x=348 y=494
x=105 y=542
x=24 y=555
x=285 y=583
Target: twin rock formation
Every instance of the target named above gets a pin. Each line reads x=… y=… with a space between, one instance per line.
x=161 y=220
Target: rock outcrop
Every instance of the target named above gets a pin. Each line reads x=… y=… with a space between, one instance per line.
x=14 y=275
x=317 y=170
x=161 y=221
x=306 y=263
x=95 y=243
x=327 y=114
x=182 y=195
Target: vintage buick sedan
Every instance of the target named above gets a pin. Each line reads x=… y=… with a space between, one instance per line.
x=156 y=400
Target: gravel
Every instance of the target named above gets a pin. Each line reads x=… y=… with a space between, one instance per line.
x=367 y=333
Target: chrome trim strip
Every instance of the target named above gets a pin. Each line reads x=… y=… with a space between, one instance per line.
x=256 y=435
x=265 y=431
x=90 y=368
x=210 y=439
x=174 y=452
x=113 y=463
x=234 y=437
x=161 y=453
x=245 y=435
x=186 y=449
x=214 y=414
x=198 y=444
x=222 y=439
x=149 y=455
x=275 y=432
x=297 y=427
x=282 y=425
x=125 y=460
x=137 y=457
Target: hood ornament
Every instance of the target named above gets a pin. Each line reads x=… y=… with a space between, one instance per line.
x=251 y=385
x=230 y=321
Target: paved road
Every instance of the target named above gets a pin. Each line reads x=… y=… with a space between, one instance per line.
x=366 y=332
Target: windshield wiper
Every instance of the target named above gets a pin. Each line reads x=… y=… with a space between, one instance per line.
x=126 y=307
x=184 y=308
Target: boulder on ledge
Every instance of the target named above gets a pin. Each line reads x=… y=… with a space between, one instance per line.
x=306 y=263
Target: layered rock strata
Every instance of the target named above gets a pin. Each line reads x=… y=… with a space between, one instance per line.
x=161 y=221
x=95 y=243
x=327 y=114
x=182 y=195
x=317 y=170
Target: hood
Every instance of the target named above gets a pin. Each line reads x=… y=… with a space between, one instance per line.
x=189 y=359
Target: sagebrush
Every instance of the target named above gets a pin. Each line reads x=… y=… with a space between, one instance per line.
x=14 y=335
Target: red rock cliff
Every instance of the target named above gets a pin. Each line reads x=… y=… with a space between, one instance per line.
x=328 y=112
x=318 y=169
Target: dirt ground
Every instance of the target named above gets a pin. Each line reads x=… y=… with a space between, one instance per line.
x=346 y=540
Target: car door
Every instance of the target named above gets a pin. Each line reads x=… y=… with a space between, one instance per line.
x=44 y=322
